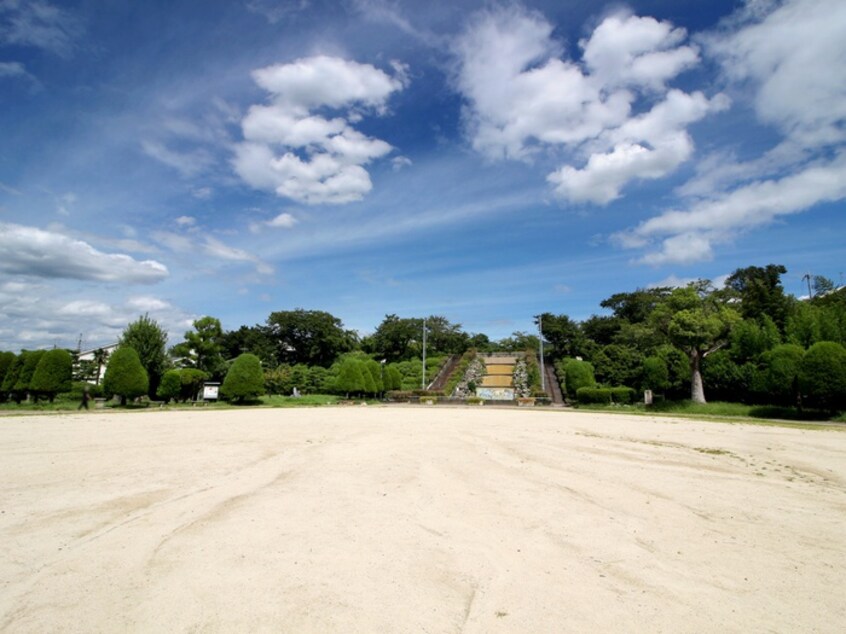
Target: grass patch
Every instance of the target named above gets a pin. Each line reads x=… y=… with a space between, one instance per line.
x=306 y=400
x=729 y=412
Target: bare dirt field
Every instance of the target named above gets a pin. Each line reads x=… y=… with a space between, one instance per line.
x=416 y=519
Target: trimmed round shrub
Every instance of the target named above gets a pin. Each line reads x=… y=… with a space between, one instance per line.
x=622 y=395
x=822 y=375
x=125 y=376
x=577 y=374
x=245 y=379
x=31 y=360
x=170 y=386
x=53 y=374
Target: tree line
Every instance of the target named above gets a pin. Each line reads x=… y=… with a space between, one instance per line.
x=747 y=341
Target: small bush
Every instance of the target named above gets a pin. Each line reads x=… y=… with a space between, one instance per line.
x=170 y=387
x=576 y=374
x=822 y=375
x=594 y=395
x=623 y=395
x=474 y=400
x=428 y=392
x=399 y=395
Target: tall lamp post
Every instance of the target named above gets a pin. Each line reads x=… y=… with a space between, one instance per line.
x=423 y=378
x=543 y=372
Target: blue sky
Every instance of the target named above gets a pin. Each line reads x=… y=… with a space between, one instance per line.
x=485 y=161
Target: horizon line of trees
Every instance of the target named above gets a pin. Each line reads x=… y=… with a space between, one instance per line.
x=748 y=341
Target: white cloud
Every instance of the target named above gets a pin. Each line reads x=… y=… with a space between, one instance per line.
x=687 y=235
x=283 y=220
x=38 y=24
x=796 y=58
x=275 y=11
x=186 y=221
x=49 y=254
x=400 y=162
x=187 y=163
x=523 y=96
x=147 y=304
x=792 y=57
x=305 y=156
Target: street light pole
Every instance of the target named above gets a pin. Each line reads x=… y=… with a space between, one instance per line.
x=543 y=372
x=423 y=378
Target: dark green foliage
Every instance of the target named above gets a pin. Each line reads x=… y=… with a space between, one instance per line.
x=7 y=360
x=125 y=376
x=170 y=386
x=53 y=374
x=760 y=292
x=778 y=378
x=202 y=348
x=606 y=395
x=518 y=342
x=655 y=376
x=751 y=338
x=313 y=337
x=594 y=395
x=149 y=340
x=618 y=365
x=31 y=361
x=562 y=333
x=636 y=307
x=725 y=378
x=256 y=340
x=401 y=339
x=192 y=382
x=11 y=378
x=574 y=375
x=822 y=376
x=244 y=380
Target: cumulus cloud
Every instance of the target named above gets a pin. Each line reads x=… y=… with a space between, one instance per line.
x=790 y=58
x=523 y=96
x=299 y=154
x=50 y=254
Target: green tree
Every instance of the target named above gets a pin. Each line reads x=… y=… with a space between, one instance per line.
x=149 y=340
x=350 y=378
x=698 y=323
x=312 y=337
x=11 y=378
x=393 y=378
x=822 y=375
x=53 y=374
x=31 y=361
x=563 y=333
x=244 y=380
x=125 y=376
x=779 y=376
x=760 y=292
x=202 y=348
x=192 y=382
x=256 y=340
x=617 y=365
x=7 y=359
x=170 y=386
x=637 y=306
x=822 y=285
x=751 y=338
x=655 y=376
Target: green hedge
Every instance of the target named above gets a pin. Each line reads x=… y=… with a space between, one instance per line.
x=605 y=395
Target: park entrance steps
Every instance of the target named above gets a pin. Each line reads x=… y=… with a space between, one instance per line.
x=498 y=382
x=553 y=387
x=442 y=377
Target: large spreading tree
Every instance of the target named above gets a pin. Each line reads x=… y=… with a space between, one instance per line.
x=313 y=337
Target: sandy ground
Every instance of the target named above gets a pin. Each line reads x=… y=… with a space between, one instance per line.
x=367 y=519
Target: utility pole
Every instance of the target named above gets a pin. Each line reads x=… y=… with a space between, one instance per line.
x=807 y=276
x=423 y=377
x=543 y=372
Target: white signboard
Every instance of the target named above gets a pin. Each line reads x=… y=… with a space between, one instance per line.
x=210 y=391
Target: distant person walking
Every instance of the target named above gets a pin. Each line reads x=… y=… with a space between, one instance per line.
x=85 y=399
